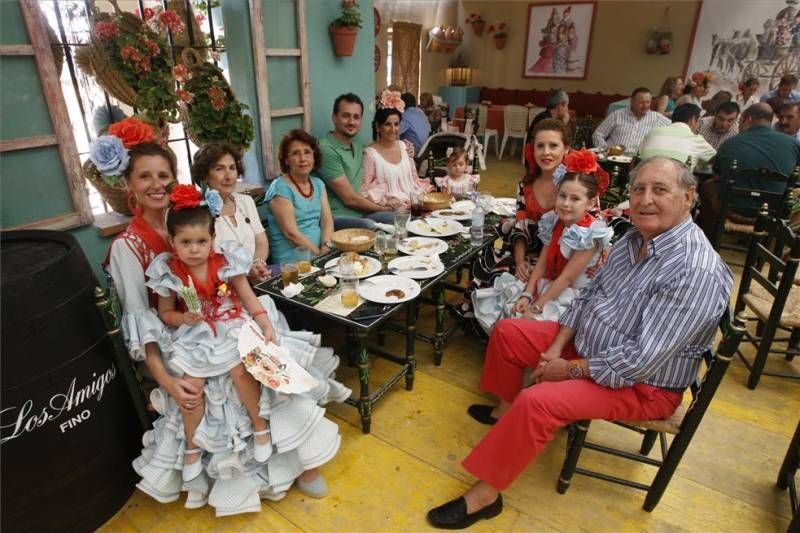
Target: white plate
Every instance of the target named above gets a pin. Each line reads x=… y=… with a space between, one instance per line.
x=422 y=246
x=375 y=289
x=434 y=227
x=373 y=267
x=306 y=274
x=619 y=158
x=433 y=266
x=453 y=214
x=504 y=207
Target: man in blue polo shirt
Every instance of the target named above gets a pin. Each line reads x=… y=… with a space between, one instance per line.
x=756 y=146
x=414 y=126
x=342 y=169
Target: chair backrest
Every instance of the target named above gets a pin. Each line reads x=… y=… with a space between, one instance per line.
x=738 y=194
x=773 y=244
x=438 y=143
x=483 y=112
x=704 y=388
x=515 y=121
x=468 y=126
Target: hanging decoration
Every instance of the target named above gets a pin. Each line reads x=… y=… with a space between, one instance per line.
x=660 y=39
x=476 y=21
x=444 y=38
x=344 y=29
x=499 y=34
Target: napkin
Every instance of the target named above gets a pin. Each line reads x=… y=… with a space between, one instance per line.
x=388 y=228
x=292 y=290
x=333 y=304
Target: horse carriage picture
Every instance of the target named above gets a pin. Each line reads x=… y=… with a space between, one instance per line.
x=767 y=55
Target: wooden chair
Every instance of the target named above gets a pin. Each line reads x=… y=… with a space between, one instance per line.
x=683 y=424
x=788 y=470
x=515 y=126
x=771 y=300
x=738 y=198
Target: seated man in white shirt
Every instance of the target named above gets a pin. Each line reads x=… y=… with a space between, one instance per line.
x=628 y=127
x=722 y=126
x=679 y=140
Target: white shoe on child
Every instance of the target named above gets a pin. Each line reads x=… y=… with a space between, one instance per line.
x=192 y=470
x=262 y=452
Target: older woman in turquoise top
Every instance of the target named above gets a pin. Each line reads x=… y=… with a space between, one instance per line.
x=298 y=212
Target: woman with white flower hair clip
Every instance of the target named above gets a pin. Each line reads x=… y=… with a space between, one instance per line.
x=390 y=176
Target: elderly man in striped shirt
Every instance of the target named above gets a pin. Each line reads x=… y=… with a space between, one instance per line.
x=627 y=348
x=628 y=127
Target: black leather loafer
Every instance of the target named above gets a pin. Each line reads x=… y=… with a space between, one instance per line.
x=453 y=514
x=482 y=413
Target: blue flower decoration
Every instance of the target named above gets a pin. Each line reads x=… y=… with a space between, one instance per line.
x=214 y=202
x=109 y=155
x=558 y=174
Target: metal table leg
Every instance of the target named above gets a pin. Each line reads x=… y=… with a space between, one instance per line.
x=364 y=400
x=438 y=342
x=411 y=326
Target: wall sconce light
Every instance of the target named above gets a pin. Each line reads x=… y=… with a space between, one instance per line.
x=459 y=73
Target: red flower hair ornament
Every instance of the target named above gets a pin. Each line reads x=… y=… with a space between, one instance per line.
x=188 y=197
x=583 y=161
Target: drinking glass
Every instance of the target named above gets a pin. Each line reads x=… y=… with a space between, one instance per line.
x=303 y=257
x=380 y=247
x=390 y=249
x=348 y=289
x=345 y=265
x=417 y=204
x=289 y=272
x=401 y=218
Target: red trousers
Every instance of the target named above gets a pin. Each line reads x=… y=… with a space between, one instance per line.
x=538 y=411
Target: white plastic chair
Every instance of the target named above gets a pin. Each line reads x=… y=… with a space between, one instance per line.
x=515 y=123
x=468 y=126
x=486 y=133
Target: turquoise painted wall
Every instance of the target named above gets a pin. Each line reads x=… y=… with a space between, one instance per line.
x=331 y=75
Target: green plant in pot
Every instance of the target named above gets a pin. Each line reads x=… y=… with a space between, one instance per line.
x=210 y=110
x=344 y=29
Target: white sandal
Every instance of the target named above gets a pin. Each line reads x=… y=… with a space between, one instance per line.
x=192 y=470
x=262 y=452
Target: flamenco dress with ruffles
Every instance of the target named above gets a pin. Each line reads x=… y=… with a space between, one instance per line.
x=303 y=439
x=588 y=233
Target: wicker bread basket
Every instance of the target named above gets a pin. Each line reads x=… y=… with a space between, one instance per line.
x=343 y=239
x=115 y=195
x=436 y=200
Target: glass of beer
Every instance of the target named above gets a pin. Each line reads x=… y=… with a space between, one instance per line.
x=348 y=285
x=303 y=257
x=380 y=247
x=390 y=248
x=289 y=273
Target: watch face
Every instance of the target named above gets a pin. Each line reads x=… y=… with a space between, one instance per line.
x=575 y=371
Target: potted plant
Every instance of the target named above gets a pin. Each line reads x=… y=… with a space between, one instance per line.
x=500 y=35
x=345 y=29
x=476 y=21
x=210 y=110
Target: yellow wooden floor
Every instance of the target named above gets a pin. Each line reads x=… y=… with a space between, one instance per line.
x=387 y=480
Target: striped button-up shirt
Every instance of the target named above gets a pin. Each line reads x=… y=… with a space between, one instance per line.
x=623 y=127
x=649 y=320
x=714 y=138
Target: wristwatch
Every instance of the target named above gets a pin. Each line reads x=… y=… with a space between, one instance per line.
x=574 y=370
x=329 y=244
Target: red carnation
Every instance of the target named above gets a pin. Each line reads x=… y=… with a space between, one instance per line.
x=581 y=161
x=131 y=131
x=185 y=197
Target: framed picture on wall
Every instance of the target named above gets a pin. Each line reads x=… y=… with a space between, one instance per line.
x=558 y=40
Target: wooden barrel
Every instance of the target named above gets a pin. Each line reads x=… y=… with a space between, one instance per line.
x=68 y=429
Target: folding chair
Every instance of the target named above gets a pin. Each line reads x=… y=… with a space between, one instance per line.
x=683 y=424
x=738 y=198
x=773 y=301
x=515 y=126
